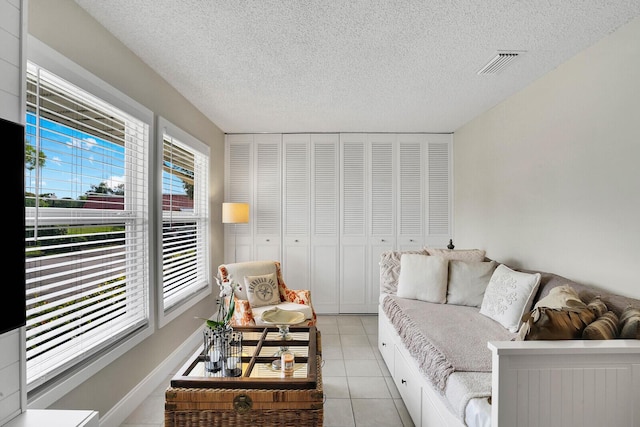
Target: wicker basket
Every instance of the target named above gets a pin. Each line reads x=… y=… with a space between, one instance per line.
x=199 y=407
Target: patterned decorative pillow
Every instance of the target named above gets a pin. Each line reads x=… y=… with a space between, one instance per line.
x=597 y=306
x=469 y=255
x=604 y=328
x=561 y=315
x=390 y=269
x=262 y=290
x=562 y=297
x=509 y=295
x=630 y=323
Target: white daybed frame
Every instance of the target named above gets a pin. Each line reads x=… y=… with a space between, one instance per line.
x=534 y=383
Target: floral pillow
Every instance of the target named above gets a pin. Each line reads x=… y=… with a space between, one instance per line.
x=262 y=290
x=509 y=295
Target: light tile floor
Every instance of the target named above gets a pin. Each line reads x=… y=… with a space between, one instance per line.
x=358 y=387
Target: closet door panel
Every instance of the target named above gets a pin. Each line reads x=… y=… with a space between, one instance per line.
x=382 y=206
x=353 y=225
x=267 y=207
x=354 y=189
x=411 y=192
x=296 y=206
x=325 y=249
x=296 y=187
x=382 y=185
x=439 y=190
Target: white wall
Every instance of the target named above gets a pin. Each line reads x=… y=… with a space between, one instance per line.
x=550 y=178
x=11 y=62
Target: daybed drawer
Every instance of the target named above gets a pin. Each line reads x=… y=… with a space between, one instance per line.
x=385 y=341
x=408 y=384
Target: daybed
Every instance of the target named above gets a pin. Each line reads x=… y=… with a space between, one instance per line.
x=457 y=361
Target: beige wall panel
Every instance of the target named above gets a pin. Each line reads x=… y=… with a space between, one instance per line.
x=550 y=178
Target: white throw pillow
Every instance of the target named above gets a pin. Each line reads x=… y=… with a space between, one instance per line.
x=508 y=296
x=262 y=290
x=468 y=282
x=423 y=277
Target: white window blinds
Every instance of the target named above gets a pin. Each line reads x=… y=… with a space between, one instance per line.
x=185 y=217
x=86 y=179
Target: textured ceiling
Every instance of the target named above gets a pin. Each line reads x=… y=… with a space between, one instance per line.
x=352 y=66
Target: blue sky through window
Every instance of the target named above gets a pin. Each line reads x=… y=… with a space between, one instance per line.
x=75 y=161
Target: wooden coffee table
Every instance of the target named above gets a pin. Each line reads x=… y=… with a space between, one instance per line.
x=261 y=396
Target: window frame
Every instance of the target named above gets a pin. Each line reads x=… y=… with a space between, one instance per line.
x=46 y=57
x=164 y=316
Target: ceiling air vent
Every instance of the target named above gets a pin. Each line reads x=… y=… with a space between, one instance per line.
x=499 y=62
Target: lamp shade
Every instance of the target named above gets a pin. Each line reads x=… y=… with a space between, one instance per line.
x=235 y=213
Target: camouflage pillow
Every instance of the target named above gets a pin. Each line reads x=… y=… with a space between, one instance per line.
x=544 y=323
x=604 y=328
x=561 y=315
x=597 y=306
x=630 y=323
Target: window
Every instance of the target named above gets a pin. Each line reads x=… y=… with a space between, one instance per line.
x=185 y=219
x=87 y=250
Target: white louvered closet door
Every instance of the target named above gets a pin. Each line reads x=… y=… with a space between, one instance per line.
x=345 y=198
x=411 y=192
x=238 y=189
x=382 y=206
x=353 y=227
x=267 y=208
x=296 y=205
x=324 y=271
x=439 y=182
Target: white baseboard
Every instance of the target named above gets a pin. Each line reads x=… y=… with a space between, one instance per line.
x=120 y=411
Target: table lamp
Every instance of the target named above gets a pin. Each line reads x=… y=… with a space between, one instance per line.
x=235 y=213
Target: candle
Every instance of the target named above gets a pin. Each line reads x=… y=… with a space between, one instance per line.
x=287 y=360
x=232 y=362
x=212 y=362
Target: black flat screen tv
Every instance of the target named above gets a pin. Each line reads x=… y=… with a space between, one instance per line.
x=13 y=294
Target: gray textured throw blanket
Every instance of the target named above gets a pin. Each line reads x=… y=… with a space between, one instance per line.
x=444 y=338
x=464 y=386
